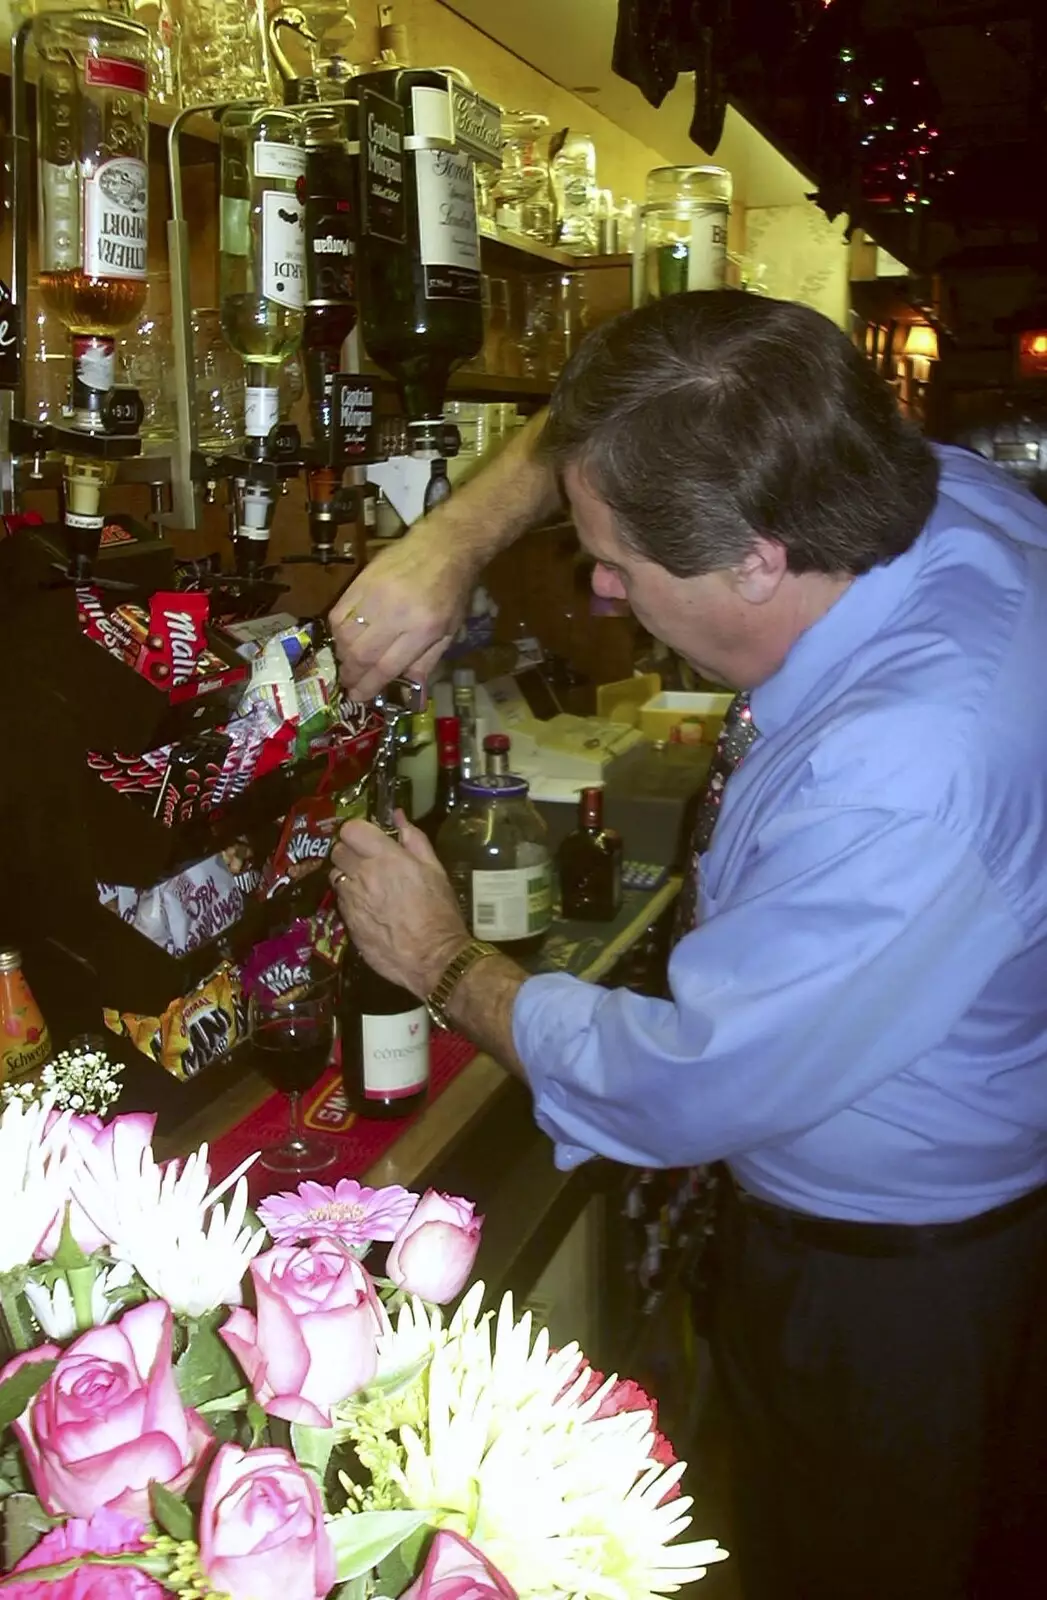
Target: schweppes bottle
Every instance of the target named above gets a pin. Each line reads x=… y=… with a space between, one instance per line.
x=25 y=1044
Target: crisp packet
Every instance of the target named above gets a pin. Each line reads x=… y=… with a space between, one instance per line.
x=194 y=1031
x=185 y=911
x=281 y=964
x=305 y=842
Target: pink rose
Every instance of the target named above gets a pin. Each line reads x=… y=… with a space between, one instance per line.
x=109 y=1419
x=455 y=1570
x=433 y=1254
x=107 y=1533
x=84 y=1132
x=315 y=1339
x=262 y=1534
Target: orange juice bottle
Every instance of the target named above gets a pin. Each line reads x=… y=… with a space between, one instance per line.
x=25 y=1044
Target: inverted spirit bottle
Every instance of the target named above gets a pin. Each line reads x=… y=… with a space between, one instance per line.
x=92 y=137
x=262 y=252
x=418 y=271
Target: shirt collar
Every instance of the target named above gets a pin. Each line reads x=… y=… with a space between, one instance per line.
x=857 y=616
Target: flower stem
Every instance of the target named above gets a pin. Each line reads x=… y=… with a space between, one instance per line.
x=11 y=1311
x=81 y=1283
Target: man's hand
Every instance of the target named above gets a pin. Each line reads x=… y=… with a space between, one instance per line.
x=399 y=616
x=397 y=903
x=401 y=613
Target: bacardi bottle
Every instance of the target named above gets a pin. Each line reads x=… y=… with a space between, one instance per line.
x=262 y=252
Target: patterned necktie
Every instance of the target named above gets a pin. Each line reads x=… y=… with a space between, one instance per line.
x=736 y=740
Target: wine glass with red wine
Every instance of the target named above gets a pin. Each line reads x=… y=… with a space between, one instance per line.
x=292 y=1035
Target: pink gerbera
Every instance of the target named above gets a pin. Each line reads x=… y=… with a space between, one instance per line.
x=346 y=1210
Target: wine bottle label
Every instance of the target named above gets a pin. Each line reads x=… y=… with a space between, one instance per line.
x=513 y=903
x=448 y=239
x=395 y=1054
x=59 y=202
x=283 y=249
x=80 y=519
x=261 y=411
x=273 y=160
x=707 y=248
x=116 y=219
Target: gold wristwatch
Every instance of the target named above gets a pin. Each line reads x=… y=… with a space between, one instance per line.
x=453 y=974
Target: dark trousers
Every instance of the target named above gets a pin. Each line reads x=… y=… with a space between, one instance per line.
x=887 y=1417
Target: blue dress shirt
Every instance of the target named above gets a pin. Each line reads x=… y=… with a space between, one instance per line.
x=859 y=1023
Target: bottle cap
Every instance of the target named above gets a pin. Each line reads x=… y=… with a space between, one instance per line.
x=497 y=744
x=10 y=960
x=448 y=739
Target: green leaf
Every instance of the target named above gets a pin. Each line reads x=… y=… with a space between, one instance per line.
x=25 y=1523
x=17 y=1391
x=12 y=1474
x=258 y=1422
x=355 y=1589
x=312 y=1448
x=206 y=1369
x=226 y=1402
x=173 y=1515
x=398 y=1570
x=362 y=1539
x=402 y=1378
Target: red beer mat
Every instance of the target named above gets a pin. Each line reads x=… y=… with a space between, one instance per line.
x=360 y=1141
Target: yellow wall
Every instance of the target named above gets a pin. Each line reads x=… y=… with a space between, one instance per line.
x=439 y=37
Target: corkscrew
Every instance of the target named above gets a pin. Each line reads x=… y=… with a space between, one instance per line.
x=401 y=698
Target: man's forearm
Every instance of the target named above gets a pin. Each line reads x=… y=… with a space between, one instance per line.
x=512 y=492
x=481 y=1007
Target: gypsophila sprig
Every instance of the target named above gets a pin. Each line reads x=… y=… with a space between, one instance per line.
x=84 y=1081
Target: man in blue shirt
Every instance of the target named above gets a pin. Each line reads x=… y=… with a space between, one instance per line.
x=858 y=1022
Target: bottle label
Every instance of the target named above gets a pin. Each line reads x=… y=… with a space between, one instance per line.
x=513 y=903
x=261 y=411
x=272 y=160
x=707 y=251
x=81 y=519
x=115 y=72
x=329 y=230
x=283 y=249
x=383 y=123
x=395 y=1054
x=116 y=219
x=448 y=239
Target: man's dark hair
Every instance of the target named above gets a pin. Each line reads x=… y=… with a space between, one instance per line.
x=706 y=419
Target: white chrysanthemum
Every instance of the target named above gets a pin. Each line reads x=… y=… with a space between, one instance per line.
x=53 y=1308
x=168 y=1224
x=32 y=1177
x=508 y=1454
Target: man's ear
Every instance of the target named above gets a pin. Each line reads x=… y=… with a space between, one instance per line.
x=759 y=574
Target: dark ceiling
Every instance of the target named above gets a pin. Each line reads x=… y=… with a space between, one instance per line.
x=974 y=70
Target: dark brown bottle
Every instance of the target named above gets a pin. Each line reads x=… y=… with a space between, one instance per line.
x=590 y=862
x=448 y=776
x=418 y=269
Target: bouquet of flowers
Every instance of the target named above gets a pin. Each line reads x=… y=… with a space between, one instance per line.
x=201 y=1401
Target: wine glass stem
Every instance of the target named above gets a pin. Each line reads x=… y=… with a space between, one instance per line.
x=295 y=1129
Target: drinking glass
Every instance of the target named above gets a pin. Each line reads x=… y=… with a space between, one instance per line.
x=292 y=1035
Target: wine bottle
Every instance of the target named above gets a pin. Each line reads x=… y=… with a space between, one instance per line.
x=385 y=1042
x=591 y=865
x=447 y=777
x=384 y=1028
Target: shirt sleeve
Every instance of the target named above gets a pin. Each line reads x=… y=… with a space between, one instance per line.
x=853 y=942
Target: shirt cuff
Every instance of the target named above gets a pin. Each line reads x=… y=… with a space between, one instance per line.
x=551 y=1015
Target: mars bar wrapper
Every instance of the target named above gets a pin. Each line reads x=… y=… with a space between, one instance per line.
x=188 y=786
